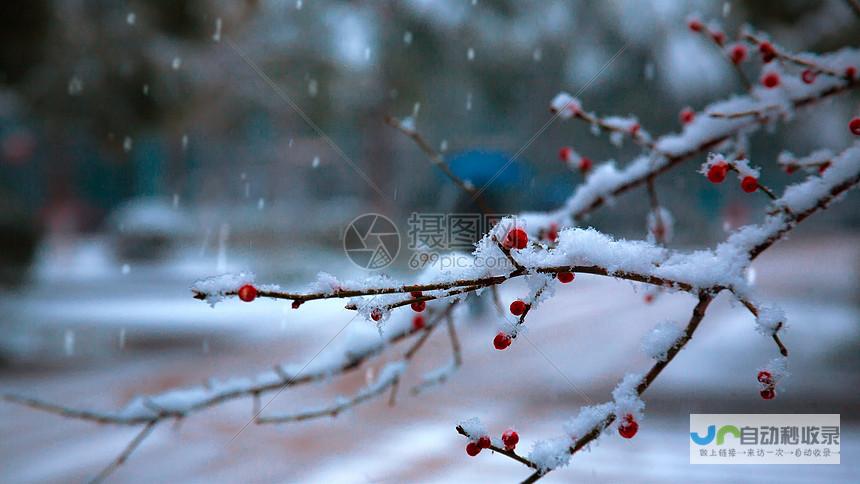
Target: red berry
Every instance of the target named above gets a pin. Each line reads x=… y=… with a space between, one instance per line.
x=518 y=307
x=770 y=80
x=565 y=153
x=768 y=53
x=565 y=277
x=738 y=53
x=629 y=427
x=415 y=294
x=418 y=322
x=473 y=449
x=552 y=233
x=823 y=167
x=516 y=238
x=808 y=76
x=634 y=129
x=247 y=293
x=749 y=184
x=718 y=37
x=717 y=172
x=768 y=393
x=584 y=164
x=854 y=126
x=510 y=438
x=790 y=169
x=765 y=377
x=687 y=115
x=649 y=298
x=850 y=72
x=695 y=25
x=296 y=304
x=419 y=306
x=376 y=314
x=484 y=442
x=501 y=341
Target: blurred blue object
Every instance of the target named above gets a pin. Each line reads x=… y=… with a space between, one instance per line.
x=479 y=167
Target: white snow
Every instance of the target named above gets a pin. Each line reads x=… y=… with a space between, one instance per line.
x=658 y=342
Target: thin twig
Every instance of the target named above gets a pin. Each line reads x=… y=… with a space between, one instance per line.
x=439 y=162
x=124 y=455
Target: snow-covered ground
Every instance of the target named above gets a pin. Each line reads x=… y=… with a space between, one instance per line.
x=141 y=332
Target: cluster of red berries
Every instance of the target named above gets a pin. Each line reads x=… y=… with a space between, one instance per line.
x=854 y=126
x=768 y=53
x=718 y=171
x=566 y=154
x=768 y=391
x=628 y=427
x=718 y=36
x=516 y=238
x=418 y=306
x=510 y=438
x=247 y=293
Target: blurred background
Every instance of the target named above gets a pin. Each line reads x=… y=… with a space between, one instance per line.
x=140 y=150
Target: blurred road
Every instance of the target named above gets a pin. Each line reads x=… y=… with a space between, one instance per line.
x=590 y=333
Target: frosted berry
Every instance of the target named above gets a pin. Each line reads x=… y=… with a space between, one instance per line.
x=517 y=238
x=518 y=307
x=765 y=377
x=565 y=277
x=687 y=115
x=634 y=129
x=376 y=314
x=738 y=53
x=415 y=294
x=695 y=25
x=419 y=306
x=629 y=427
x=501 y=341
x=247 y=293
x=807 y=76
x=473 y=449
x=790 y=169
x=649 y=298
x=585 y=164
x=768 y=53
x=510 y=438
x=552 y=233
x=770 y=80
x=418 y=322
x=854 y=126
x=565 y=153
x=768 y=393
x=749 y=184
x=850 y=72
x=719 y=38
x=717 y=172
x=484 y=442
